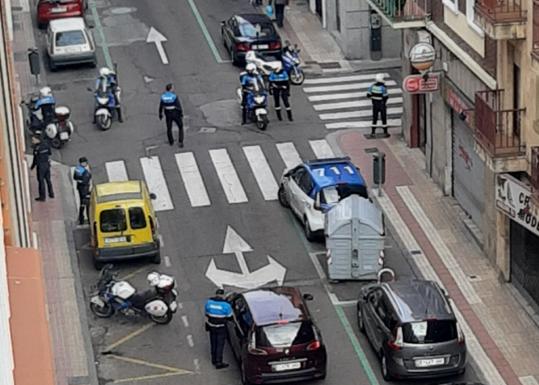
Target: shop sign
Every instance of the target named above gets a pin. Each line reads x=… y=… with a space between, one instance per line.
x=416 y=84
x=458 y=105
x=514 y=199
x=422 y=56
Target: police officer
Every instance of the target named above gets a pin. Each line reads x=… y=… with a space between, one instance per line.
x=83 y=177
x=377 y=92
x=46 y=103
x=280 y=87
x=170 y=103
x=247 y=80
x=42 y=152
x=218 y=311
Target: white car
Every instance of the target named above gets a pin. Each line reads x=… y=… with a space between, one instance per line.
x=313 y=187
x=69 y=41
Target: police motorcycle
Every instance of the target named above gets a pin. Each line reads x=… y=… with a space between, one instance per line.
x=263 y=66
x=111 y=295
x=292 y=64
x=58 y=130
x=257 y=103
x=105 y=99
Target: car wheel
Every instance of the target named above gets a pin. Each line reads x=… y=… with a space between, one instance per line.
x=157 y=259
x=98 y=265
x=283 y=198
x=360 y=322
x=309 y=234
x=41 y=25
x=244 y=379
x=53 y=67
x=235 y=59
x=385 y=370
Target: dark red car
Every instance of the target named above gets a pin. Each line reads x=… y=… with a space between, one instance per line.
x=48 y=10
x=274 y=338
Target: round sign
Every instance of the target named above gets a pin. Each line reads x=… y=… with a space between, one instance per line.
x=422 y=56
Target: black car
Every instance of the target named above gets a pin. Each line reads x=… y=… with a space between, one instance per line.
x=246 y=32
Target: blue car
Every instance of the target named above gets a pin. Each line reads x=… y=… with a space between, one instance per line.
x=313 y=187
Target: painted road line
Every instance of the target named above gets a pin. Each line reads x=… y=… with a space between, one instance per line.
x=439 y=245
x=361 y=124
x=227 y=176
x=101 y=34
x=167 y=261
x=262 y=172
x=352 y=104
x=344 y=87
x=185 y=321
x=190 y=340
x=132 y=380
x=151 y=167
x=321 y=149
x=128 y=337
x=116 y=171
x=340 y=79
x=192 y=180
x=349 y=95
x=196 y=363
x=161 y=242
x=357 y=114
x=206 y=33
x=289 y=154
x=138 y=361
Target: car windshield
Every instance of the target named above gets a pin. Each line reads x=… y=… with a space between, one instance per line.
x=334 y=194
x=137 y=220
x=429 y=332
x=284 y=335
x=248 y=29
x=67 y=38
x=112 y=220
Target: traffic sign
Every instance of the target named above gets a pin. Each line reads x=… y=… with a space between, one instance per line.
x=417 y=84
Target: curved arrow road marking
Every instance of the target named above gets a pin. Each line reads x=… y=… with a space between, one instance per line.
x=156 y=37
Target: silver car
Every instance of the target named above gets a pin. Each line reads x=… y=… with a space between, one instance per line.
x=69 y=42
x=412 y=328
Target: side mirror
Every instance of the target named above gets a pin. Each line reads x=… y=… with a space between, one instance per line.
x=153 y=196
x=308 y=297
x=316 y=204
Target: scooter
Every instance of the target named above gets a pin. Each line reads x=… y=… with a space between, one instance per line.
x=292 y=65
x=112 y=295
x=257 y=102
x=105 y=105
x=263 y=66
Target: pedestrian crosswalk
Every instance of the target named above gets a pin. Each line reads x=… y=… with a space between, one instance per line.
x=231 y=181
x=342 y=102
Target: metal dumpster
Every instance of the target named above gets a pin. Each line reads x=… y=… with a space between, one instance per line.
x=354 y=230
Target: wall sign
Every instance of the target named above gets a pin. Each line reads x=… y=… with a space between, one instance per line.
x=514 y=199
x=416 y=84
x=422 y=56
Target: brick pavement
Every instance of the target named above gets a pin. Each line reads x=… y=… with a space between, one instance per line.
x=504 y=330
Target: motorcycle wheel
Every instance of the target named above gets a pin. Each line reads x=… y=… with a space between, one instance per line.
x=263 y=123
x=56 y=143
x=102 y=311
x=297 y=79
x=104 y=122
x=162 y=320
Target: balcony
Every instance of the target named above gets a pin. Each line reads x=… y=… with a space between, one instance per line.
x=401 y=14
x=501 y=19
x=535 y=48
x=534 y=175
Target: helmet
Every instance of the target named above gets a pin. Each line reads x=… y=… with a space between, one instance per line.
x=104 y=71
x=379 y=78
x=153 y=278
x=45 y=91
x=278 y=66
x=250 y=68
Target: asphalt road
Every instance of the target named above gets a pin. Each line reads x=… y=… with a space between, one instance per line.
x=132 y=351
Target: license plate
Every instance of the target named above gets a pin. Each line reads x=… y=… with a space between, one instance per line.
x=58 y=9
x=286 y=366
x=64 y=135
x=260 y=46
x=115 y=239
x=429 y=362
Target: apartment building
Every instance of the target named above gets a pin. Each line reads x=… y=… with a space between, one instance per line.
x=480 y=131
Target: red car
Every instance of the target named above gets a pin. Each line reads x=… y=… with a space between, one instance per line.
x=274 y=338
x=48 y=10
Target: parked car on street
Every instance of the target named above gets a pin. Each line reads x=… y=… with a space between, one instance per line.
x=274 y=338
x=250 y=32
x=69 y=42
x=412 y=328
x=48 y=10
x=314 y=186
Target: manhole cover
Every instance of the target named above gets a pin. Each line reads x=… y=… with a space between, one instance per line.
x=330 y=65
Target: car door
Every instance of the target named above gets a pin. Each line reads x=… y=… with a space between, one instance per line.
x=383 y=322
x=293 y=188
x=369 y=313
x=230 y=32
x=306 y=186
x=235 y=332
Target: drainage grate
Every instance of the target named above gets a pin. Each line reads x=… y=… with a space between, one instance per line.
x=330 y=65
x=371 y=150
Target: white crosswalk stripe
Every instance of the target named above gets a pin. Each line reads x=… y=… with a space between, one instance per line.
x=321 y=149
x=192 y=180
x=227 y=176
x=289 y=154
x=341 y=109
x=153 y=174
x=116 y=171
x=261 y=171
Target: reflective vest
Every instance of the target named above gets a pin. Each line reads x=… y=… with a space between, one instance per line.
x=377 y=91
x=168 y=99
x=217 y=311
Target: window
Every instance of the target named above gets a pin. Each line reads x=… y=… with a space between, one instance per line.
x=64 y=39
x=255 y=30
x=112 y=220
x=452 y=4
x=305 y=183
x=297 y=174
x=334 y=194
x=429 y=332
x=136 y=218
x=285 y=335
x=470 y=15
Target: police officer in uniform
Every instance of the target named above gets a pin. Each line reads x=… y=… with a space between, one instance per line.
x=42 y=152
x=46 y=103
x=170 y=103
x=218 y=311
x=378 y=94
x=280 y=87
x=247 y=81
x=83 y=177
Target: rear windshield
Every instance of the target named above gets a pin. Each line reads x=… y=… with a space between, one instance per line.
x=137 y=218
x=250 y=30
x=112 y=220
x=64 y=39
x=334 y=194
x=284 y=335
x=429 y=332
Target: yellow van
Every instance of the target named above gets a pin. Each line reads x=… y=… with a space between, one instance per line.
x=123 y=223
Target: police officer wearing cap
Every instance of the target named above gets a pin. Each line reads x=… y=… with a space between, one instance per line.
x=170 y=104
x=378 y=94
x=83 y=177
x=218 y=311
x=42 y=152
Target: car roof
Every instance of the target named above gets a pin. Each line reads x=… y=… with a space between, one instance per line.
x=417 y=300
x=118 y=191
x=254 y=18
x=332 y=171
x=67 y=24
x=275 y=305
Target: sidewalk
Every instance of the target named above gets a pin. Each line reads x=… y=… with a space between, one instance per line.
x=502 y=339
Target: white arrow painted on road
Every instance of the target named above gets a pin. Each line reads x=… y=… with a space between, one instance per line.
x=154 y=36
x=273 y=271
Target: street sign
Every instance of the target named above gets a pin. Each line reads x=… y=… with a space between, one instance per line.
x=422 y=56
x=417 y=84
x=273 y=271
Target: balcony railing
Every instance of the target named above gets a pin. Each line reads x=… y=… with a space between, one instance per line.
x=535 y=48
x=535 y=169
x=501 y=19
x=403 y=13
x=497 y=129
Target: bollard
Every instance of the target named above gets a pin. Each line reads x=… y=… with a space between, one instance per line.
x=379 y=170
x=35 y=65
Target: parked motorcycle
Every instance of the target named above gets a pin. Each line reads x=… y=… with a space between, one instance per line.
x=105 y=105
x=159 y=302
x=292 y=65
x=263 y=65
x=257 y=103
